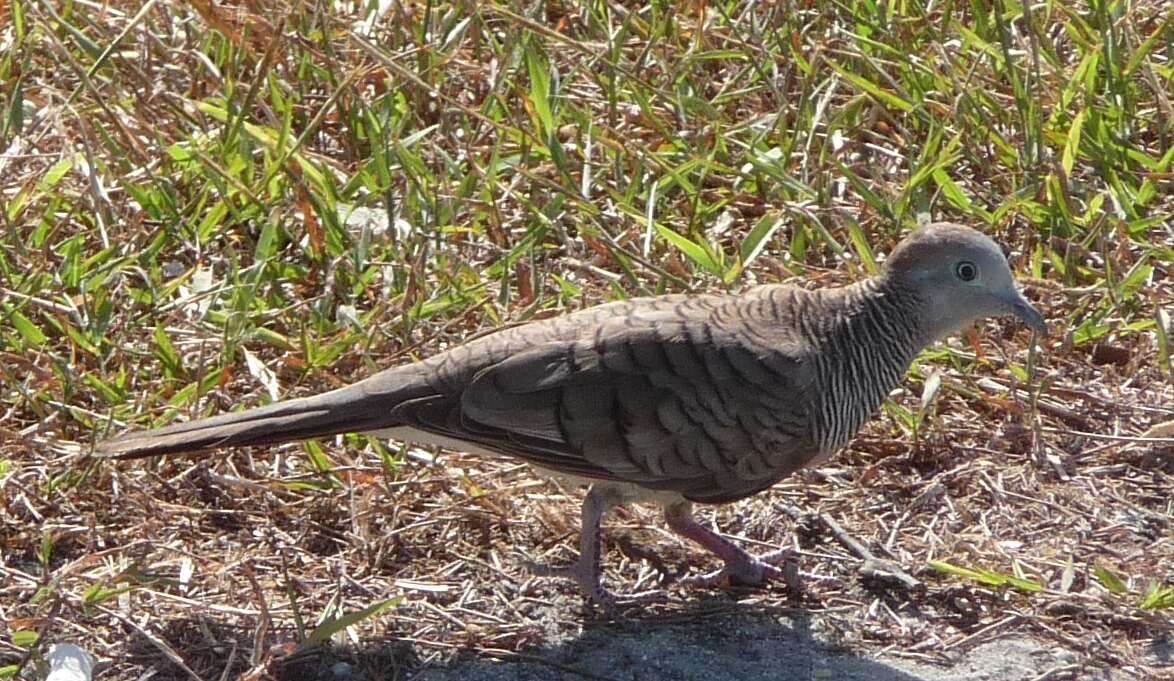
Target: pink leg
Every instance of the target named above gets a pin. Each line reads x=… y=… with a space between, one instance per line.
x=740 y=566
x=587 y=571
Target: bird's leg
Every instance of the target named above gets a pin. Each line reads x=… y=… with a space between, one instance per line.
x=740 y=566
x=587 y=571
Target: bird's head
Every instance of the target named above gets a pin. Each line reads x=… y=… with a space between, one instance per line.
x=961 y=276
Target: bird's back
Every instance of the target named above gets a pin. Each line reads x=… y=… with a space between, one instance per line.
x=709 y=396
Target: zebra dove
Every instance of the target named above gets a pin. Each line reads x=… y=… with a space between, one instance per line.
x=674 y=399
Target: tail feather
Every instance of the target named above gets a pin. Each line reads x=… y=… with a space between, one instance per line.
x=364 y=406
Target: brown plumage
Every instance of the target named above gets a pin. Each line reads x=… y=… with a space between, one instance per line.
x=707 y=398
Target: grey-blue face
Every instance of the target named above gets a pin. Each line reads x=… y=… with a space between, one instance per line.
x=962 y=276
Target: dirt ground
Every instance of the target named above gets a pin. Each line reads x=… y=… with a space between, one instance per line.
x=754 y=646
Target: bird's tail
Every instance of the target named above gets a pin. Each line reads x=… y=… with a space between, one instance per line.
x=365 y=406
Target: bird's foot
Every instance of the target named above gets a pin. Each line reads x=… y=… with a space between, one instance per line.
x=746 y=569
x=586 y=570
x=741 y=567
x=588 y=577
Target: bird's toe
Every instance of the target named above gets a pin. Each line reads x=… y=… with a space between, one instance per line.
x=778 y=566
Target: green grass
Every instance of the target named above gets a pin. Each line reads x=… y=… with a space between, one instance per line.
x=202 y=205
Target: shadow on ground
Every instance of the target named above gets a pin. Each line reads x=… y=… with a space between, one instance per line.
x=741 y=646
x=747 y=647
x=750 y=644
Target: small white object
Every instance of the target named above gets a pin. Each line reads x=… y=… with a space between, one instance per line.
x=186 y=569
x=68 y=662
x=202 y=280
x=348 y=314
x=838 y=140
x=263 y=374
x=722 y=224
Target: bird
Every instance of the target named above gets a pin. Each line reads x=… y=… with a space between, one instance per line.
x=677 y=399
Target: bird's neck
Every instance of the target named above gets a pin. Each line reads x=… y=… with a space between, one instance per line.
x=890 y=311
x=871 y=336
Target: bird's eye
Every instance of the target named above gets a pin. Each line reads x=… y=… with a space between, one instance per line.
x=966 y=270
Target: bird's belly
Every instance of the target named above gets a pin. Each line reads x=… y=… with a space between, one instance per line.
x=614 y=492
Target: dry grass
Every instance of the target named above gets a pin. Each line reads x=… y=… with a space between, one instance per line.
x=179 y=199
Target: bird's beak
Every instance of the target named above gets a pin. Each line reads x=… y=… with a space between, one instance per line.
x=1018 y=306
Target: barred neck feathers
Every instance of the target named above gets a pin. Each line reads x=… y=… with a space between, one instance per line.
x=870 y=338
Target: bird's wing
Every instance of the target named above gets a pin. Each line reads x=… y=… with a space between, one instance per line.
x=668 y=404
